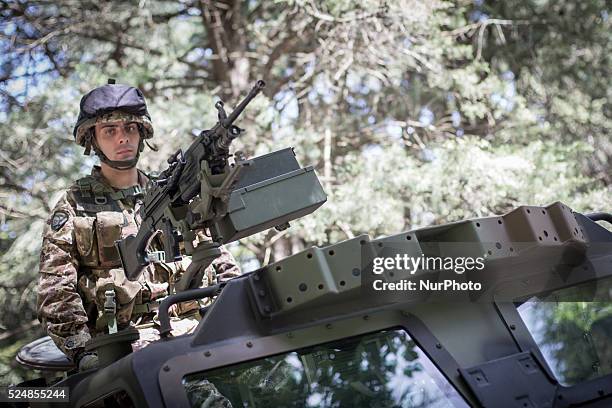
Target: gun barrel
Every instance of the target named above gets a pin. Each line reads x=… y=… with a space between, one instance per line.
x=259 y=85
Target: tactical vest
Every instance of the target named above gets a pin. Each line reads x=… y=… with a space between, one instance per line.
x=103 y=216
x=102 y=219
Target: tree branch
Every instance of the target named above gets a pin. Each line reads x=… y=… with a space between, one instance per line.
x=214 y=28
x=19 y=330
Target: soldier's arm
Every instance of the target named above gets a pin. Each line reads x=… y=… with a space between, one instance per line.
x=225 y=266
x=222 y=269
x=60 y=308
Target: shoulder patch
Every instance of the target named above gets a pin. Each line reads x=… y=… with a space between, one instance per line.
x=58 y=220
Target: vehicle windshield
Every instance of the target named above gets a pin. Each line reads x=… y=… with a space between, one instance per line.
x=383 y=369
x=574 y=337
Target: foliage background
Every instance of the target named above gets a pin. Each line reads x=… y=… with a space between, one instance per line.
x=414 y=113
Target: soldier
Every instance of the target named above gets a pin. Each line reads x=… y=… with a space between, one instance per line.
x=79 y=264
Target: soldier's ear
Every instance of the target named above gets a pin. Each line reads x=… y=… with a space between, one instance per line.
x=95 y=146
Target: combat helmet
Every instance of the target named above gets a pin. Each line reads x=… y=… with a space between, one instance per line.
x=112 y=103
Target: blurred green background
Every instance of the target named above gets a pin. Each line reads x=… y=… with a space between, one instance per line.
x=413 y=113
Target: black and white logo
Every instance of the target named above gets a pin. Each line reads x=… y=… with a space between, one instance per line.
x=58 y=220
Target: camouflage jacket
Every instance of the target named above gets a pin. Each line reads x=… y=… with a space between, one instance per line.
x=79 y=262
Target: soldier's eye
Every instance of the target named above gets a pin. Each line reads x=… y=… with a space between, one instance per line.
x=131 y=128
x=109 y=131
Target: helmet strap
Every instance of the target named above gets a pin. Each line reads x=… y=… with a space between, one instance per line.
x=89 y=136
x=152 y=146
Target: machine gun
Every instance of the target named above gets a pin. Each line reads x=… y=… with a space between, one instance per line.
x=202 y=190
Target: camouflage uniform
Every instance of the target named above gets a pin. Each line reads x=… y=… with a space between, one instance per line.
x=79 y=262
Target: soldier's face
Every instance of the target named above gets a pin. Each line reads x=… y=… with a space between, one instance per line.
x=118 y=140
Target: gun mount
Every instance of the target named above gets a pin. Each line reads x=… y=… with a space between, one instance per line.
x=202 y=190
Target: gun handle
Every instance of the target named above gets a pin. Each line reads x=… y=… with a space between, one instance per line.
x=170 y=241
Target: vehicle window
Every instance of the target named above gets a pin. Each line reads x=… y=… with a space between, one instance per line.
x=574 y=337
x=383 y=369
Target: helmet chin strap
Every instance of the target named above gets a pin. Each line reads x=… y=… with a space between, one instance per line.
x=118 y=164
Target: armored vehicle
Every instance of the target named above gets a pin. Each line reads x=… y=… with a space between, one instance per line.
x=310 y=330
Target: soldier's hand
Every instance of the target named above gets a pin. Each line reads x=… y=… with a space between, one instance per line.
x=87 y=361
x=174 y=309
